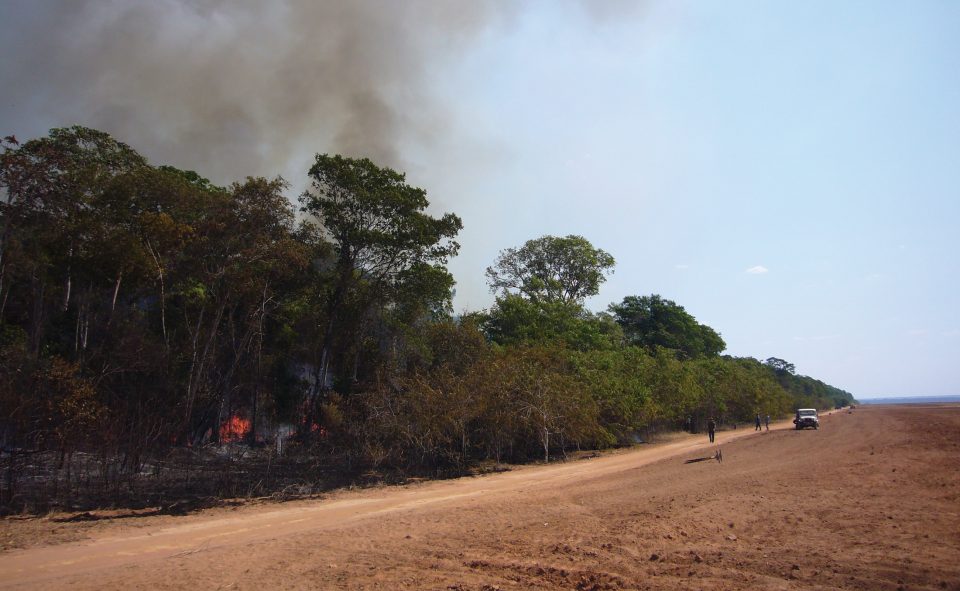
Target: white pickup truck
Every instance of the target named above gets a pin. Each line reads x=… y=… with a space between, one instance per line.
x=807 y=417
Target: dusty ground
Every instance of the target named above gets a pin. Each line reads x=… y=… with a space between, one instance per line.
x=870 y=501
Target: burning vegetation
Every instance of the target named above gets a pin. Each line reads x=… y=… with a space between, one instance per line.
x=235 y=428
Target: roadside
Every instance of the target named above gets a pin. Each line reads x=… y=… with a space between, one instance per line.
x=824 y=501
x=29 y=531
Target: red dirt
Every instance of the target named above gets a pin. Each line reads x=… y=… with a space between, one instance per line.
x=870 y=501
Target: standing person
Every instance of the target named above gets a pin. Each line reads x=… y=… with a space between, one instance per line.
x=757 y=424
x=766 y=421
x=711 y=428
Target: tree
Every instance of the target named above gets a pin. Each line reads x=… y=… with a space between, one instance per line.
x=615 y=380
x=380 y=233
x=780 y=366
x=551 y=269
x=515 y=320
x=652 y=321
x=47 y=221
x=550 y=403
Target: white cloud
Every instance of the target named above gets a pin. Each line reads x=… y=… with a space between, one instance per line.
x=681 y=266
x=757 y=270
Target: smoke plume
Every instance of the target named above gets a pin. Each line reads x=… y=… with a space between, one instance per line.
x=234 y=87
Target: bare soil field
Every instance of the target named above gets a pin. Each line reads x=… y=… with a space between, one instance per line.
x=870 y=501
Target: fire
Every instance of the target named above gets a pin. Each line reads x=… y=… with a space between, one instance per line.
x=234 y=429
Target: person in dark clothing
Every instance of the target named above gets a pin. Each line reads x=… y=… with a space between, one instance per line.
x=711 y=428
x=757 y=423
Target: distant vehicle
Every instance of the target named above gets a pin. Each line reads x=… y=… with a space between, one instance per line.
x=807 y=417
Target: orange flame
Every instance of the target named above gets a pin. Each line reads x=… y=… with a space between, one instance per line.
x=234 y=429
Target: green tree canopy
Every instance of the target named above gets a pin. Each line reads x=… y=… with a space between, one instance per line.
x=551 y=269
x=515 y=320
x=376 y=221
x=780 y=366
x=652 y=321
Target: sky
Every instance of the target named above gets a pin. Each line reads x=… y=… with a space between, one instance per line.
x=786 y=171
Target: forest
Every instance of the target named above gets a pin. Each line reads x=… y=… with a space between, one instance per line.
x=163 y=338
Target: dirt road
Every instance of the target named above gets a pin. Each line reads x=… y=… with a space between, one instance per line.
x=870 y=501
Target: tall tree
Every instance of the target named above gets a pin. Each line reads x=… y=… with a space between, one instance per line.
x=780 y=366
x=380 y=232
x=652 y=321
x=551 y=269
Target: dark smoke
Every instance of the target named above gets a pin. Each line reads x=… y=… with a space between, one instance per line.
x=247 y=87
x=234 y=87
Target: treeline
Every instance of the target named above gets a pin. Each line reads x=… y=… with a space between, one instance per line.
x=145 y=309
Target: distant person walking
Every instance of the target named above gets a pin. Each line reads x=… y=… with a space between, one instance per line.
x=711 y=428
x=757 y=426
x=766 y=421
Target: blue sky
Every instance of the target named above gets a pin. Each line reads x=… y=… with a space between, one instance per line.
x=786 y=171
x=814 y=143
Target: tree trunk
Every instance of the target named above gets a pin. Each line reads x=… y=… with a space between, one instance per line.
x=4 y=238
x=3 y=304
x=36 y=320
x=76 y=332
x=66 y=290
x=163 y=295
x=321 y=371
x=66 y=297
x=226 y=384
x=345 y=265
x=546 y=443
x=3 y=294
x=116 y=292
x=256 y=388
x=198 y=365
